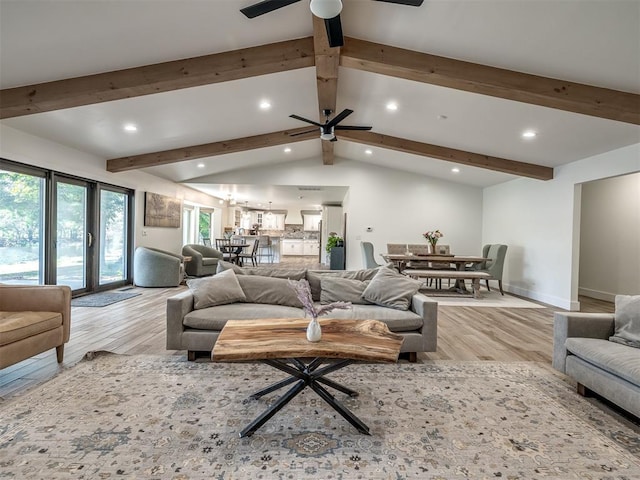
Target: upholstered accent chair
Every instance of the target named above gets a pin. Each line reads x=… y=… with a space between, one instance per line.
x=204 y=260
x=156 y=268
x=496 y=253
x=368 y=258
x=33 y=319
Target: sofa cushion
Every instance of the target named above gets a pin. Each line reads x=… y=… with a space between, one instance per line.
x=222 y=266
x=627 y=320
x=314 y=278
x=269 y=290
x=15 y=326
x=337 y=289
x=615 y=358
x=396 y=320
x=215 y=318
x=220 y=289
x=391 y=289
x=291 y=274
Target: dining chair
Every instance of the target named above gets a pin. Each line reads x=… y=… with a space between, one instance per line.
x=496 y=253
x=206 y=241
x=224 y=245
x=251 y=254
x=368 y=259
x=396 y=248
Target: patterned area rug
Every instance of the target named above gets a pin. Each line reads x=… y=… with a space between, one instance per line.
x=102 y=299
x=161 y=417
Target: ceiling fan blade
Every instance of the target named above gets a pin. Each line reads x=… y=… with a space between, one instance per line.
x=338 y=118
x=265 y=6
x=303 y=133
x=410 y=3
x=351 y=127
x=334 y=31
x=302 y=119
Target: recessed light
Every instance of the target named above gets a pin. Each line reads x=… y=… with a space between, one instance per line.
x=368 y=151
x=442 y=117
x=392 y=106
x=265 y=104
x=201 y=165
x=455 y=170
x=287 y=150
x=130 y=127
x=529 y=134
x=221 y=202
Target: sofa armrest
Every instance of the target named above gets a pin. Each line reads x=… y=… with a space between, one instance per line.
x=39 y=298
x=177 y=307
x=575 y=324
x=427 y=308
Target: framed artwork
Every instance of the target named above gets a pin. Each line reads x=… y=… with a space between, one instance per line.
x=161 y=211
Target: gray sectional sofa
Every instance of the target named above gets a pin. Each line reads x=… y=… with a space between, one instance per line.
x=194 y=326
x=587 y=348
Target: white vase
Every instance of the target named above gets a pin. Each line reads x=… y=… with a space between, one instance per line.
x=314 y=333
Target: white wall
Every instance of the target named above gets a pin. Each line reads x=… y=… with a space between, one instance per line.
x=399 y=206
x=540 y=221
x=21 y=147
x=610 y=237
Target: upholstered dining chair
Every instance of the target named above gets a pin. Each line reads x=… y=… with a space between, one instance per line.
x=396 y=248
x=368 y=259
x=496 y=253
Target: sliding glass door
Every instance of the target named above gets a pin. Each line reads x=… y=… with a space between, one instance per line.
x=58 y=229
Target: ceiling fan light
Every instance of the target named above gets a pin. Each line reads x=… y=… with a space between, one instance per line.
x=327 y=136
x=326 y=8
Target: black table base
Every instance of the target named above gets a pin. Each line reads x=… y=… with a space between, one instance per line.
x=305 y=375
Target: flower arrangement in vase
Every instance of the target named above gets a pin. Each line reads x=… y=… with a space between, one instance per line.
x=432 y=237
x=303 y=292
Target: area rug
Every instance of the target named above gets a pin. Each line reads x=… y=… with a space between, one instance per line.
x=489 y=299
x=102 y=299
x=161 y=417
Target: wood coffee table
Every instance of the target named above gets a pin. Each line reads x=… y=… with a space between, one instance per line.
x=282 y=344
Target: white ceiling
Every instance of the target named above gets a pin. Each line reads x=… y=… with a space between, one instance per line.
x=592 y=42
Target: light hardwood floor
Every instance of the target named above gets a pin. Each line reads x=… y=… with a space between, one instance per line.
x=137 y=326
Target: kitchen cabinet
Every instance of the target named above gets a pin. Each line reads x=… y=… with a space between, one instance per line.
x=292 y=247
x=311 y=223
x=311 y=247
x=274 y=221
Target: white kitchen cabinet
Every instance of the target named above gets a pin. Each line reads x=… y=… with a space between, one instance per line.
x=311 y=223
x=311 y=247
x=292 y=247
x=274 y=221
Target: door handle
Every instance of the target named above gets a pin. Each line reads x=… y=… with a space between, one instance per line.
x=89 y=239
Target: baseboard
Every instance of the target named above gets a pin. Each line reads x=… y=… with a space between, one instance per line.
x=565 y=304
x=597 y=294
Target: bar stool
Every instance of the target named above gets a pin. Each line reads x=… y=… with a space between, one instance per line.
x=264 y=248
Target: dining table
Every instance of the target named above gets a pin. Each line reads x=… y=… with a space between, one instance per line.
x=401 y=262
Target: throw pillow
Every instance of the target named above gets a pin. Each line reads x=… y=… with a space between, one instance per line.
x=627 y=320
x=222 y=266
x=315 y=276
x=391 y=289
x=219 y=289
x=292 y=274
x=270 y=290
x=336 y=289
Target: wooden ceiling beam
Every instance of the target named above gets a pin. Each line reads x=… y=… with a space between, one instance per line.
x=157 y=78
x=327 y=62
x=208 y=150
x=497 y=164
x=486 y=80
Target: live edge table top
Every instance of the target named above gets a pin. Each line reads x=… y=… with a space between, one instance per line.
x=278 y=338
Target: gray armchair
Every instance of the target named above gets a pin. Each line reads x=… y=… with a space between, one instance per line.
x=496 y=253
x=204 y=260
x=156 y=268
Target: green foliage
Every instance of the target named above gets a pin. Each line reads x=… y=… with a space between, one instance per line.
x=333 y=242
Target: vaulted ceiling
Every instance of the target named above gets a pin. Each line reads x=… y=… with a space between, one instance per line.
x=468 y=78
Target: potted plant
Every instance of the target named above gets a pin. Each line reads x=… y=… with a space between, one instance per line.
x=334 y=241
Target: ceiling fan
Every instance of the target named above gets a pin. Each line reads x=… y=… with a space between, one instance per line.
x=329 y=10
x=328 y=128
